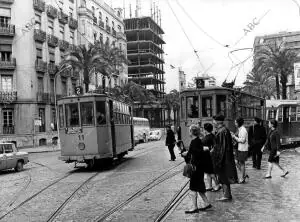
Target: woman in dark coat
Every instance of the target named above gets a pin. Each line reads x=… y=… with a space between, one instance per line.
x=208 y=143
x=197 y=158
x=273 y=145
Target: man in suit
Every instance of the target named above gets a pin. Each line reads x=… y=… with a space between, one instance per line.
x=170 y=142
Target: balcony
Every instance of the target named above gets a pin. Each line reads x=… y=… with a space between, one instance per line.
x=51 y=11
x=8 y=97
x=108 y=29
x=121 y=35
x=52 y=68
x=95 y=20
x=52 y=40
x=7 y=1
x=114 y=33
x=40 y=66
x=84 y=11
x=8 y=64
x=62 y=18
x=39 y=5
x=101 y=24
x=73 y=23
x=6 y=29
x=39 y=35
x=63 y=45
x=8 y=130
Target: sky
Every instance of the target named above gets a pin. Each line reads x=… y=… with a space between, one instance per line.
x=225 y=22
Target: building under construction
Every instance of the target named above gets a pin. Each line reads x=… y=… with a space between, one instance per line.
x=146 y=67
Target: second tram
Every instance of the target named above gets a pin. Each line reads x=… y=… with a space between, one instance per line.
x=198 y=106
x=93 y=127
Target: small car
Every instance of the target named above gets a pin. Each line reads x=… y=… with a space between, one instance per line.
x=11 y=158
x=155 y=135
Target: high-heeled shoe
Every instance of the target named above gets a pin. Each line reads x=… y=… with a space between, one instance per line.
x=244 y=179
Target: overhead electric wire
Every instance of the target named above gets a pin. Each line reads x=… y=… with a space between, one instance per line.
x=201 y=29
x=195 y=51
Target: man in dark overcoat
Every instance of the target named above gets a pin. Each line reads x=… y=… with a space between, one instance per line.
x=223 y=158
x=170 y=142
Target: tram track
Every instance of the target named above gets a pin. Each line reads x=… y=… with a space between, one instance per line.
x=156 y=181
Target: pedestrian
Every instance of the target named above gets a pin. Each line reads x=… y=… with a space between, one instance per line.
x=223 y=158
x=273 y=145
x=170 y=142
x=208 y=143
x=197 y=157
x=242 y=151
x=256 y=137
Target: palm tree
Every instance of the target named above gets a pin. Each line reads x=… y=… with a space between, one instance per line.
x=172 y=102
x=279 y=61
x=260 y=84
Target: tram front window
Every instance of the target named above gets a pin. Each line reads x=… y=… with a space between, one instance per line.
x=100 y=113
x=61 y=116
x=192 y=107
x=221 y=105
x=87 y=113
x=72 y=115
x=207 y=106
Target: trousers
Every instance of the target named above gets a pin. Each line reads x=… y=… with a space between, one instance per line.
x=171 y=150
x=227 y=191
x=256 y=157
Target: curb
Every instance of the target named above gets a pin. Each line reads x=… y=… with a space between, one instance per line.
x=44 y=151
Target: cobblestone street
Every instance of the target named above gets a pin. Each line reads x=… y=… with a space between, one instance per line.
x=39 y=193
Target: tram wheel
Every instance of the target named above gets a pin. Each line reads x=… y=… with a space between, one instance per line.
x=90 y=163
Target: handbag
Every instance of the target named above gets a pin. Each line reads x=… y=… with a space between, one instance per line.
x=189 y=169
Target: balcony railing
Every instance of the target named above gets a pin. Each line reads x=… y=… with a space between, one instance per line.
x=52 y=40
x=39 y=5
x=51 y=11
x=63 y=45
x=8 y=130
x=101 y=24
x=52 y=68
x=62 y=18
x=108 y=28
x=114 y=33
x=73 y=23
x=8 y=96
x=43 y=97
x=121 y=35
x=40 y=66
x=95 y=20
x=8 y=64
x=6 y=29
x=39 y=35
x=7 y=1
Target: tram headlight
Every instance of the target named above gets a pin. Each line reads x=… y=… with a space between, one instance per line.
x=81 y=146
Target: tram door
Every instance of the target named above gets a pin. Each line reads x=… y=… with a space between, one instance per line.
x=112 y=125
x=285 y=120
x=131 y=129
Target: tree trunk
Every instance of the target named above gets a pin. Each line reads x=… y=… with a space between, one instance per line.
x=283 y=82
x=277 y=86
x=86 y=79
x=86 y=86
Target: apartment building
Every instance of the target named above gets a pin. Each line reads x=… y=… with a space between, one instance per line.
x=34 y=37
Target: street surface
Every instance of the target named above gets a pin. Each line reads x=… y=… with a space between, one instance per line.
x=138 y=188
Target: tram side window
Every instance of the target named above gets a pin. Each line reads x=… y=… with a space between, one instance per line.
x=207 y=106
x=221 y=105
x=293 y=114
x=100 y=113
x=72 y=114
x=298 y=113
x=272 y=114
x=87 y=113
x=192 y=107
x=182 y=107
x=61 y=116
x=280 y=114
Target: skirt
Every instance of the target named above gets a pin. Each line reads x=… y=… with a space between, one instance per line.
x=273 y=157
x=197 y=181
x=242 y=156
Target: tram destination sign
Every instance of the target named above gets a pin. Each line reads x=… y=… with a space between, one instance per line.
x=73 y=130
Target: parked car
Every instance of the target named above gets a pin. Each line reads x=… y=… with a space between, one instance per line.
x=10 y=157
x=155 y=135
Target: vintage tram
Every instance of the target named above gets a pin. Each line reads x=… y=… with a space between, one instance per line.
x=287 y=113
x=198 y=106
x=94 y=127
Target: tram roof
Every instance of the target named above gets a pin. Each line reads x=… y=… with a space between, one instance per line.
x=211 y=88
x=277 y=103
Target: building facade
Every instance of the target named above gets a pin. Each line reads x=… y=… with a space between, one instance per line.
x=146 y=67
x=34 y=37
x=290 y=40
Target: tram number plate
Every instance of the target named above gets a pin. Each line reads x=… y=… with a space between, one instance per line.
x=73 y=130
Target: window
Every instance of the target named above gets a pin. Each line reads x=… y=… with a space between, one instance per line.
x=72 y=37
x=100 y=16
x=101 y=37
x=298 y=113
x=1 y=149
x=64 y=87
x=72 y=115
x=40 y=84
x=42 y=128
x=8 y=117
x=107 y=40
x=106 y=19
x=293 y=114
x=71 y=12
x=50 y=27
x=51 y=54
x=83 y=3
x=8 y=148
x=38 y=21
x=272 y=114
x=221 y=105
x=54 y=119
x=207 y=106
x=113 y=24
x=93 y=10
x=61 y=116
x=62 y=32
x=39 y=53
x=72 y=1
x=95 y=36
x=6 y=83
x=4 y=20
x=182 y=107
x=87 y=113
x=192 y=107
x=5 y=56
x=119 y=28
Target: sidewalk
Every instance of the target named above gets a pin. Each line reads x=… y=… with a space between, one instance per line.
x=41 y=149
